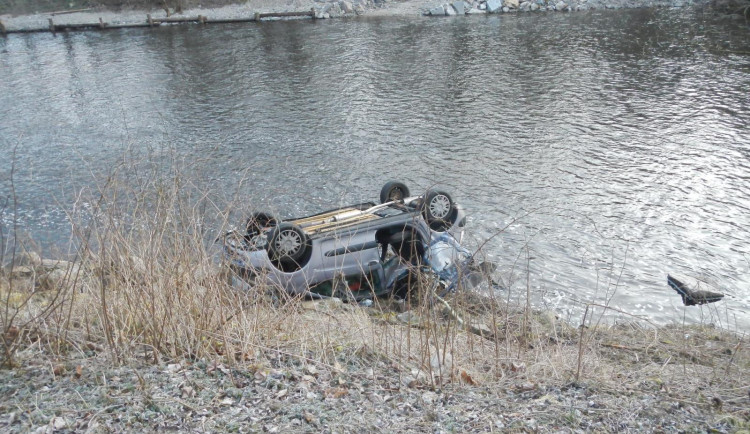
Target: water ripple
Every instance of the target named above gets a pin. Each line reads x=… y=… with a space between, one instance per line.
x=609 y=141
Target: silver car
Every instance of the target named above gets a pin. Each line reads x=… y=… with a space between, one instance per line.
x=358 y=251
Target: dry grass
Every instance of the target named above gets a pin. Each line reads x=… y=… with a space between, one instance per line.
x=144 y=283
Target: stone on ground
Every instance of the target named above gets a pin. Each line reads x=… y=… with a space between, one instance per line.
x=494 y=6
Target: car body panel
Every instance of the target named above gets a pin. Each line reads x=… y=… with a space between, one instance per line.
x=346 y=250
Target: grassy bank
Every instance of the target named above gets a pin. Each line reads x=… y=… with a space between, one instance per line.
x=143 y=329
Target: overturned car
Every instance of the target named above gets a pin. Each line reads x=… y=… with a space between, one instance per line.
x=355 y=252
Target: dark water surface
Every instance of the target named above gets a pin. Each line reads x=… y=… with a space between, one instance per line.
x=614 y=143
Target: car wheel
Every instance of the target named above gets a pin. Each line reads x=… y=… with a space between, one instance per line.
x=259 y=221
x=393 y=191
x=288 y=243
x=438 y=209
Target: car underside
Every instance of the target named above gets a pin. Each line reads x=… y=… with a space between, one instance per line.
x=354 y=252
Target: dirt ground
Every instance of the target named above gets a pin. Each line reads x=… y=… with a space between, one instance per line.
x=352 y=370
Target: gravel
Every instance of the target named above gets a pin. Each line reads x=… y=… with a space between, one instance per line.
x=90 y=393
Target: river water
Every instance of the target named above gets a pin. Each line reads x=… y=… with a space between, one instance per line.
x=602 y=149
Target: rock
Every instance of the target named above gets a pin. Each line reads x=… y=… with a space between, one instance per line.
x=511 y=3
x=547 y=399
x=187 y=392
x=55 y=279
x=135 y=265
x=437 y=11
x=409 y=317
x=450 y=11
x=531 y=425
x=174 y=368
x=56 y=264
x=482 y=6
x=420 y=375
x=346 y=7
x=460 y=7
x=430 y=397
x=534 y=7
x=22 y=272
x=59 y=423
x=441 y=364
x=28 y=259
x=409 y=381
x=547 y=321
x=324 y=305
x=494 y=5
x=525 y=6
x=506 y=9
x=561 y=6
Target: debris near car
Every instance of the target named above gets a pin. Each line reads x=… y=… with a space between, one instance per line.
x=355 y=252
x=691 y=291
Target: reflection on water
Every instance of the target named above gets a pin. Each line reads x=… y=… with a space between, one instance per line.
x=611 y=147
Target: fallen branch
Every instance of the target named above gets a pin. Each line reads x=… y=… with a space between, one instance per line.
x=486 y=334
x=621 y=347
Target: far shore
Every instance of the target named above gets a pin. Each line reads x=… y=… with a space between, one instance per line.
x=99 y=18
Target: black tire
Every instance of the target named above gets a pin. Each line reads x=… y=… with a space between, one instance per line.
x=288 y=243
x=393 y=191
x=259 y=221
x=438 y=209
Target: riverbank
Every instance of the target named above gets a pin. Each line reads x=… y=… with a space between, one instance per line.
x=123 y=343
x=63 y=16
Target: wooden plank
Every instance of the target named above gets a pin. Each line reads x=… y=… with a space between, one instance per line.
x=151 y=22
x=84 y=26
x=310 y=13
x=229 y=20
x=125 y=26
x=72 y=11
x=325 y=227
x=177 y=20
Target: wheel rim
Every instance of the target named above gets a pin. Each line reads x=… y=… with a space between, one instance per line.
x=288 y=242
x=440 y=206
x=396 y=194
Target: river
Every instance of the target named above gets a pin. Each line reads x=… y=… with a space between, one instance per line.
x=602 y=149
